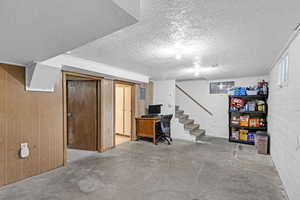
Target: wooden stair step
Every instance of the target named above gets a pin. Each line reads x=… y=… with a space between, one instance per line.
x=189 y=124
x=187 y=121
x=179 y=111
x=183 y=116
x=198 y=132
x=191 y=127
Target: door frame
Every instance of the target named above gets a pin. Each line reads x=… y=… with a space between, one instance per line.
x=65 y=106
x=133 y=108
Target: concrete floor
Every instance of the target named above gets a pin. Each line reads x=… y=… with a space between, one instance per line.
x=75 y=154
x=143 y=171
x=121 y=139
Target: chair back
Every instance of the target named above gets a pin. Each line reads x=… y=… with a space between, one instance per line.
x=165 y=123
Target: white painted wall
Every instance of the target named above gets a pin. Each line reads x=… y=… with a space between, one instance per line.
x=80 y=65
x=164 y=93
x=284 y=116
x=216 y=125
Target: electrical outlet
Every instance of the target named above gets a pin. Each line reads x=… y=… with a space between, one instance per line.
x=24 y=145
x=298 y=144
x=24 y=152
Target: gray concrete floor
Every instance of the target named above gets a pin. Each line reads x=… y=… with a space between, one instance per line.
x=75 y=155
x=143 y=171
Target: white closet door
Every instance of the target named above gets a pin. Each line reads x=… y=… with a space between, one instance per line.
x=119 y=124
x=127 y=111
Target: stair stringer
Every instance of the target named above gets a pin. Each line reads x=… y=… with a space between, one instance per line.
x=185 y=127
x=178 y=132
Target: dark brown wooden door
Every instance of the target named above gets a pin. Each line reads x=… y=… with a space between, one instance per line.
x=82 y=114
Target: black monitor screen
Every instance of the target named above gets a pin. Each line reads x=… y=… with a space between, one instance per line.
x=154 y=109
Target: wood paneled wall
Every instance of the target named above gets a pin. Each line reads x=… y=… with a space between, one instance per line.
x=32 y=117
x=143 y=104
x=37 y=119
x=136 y=106
x=107 y=114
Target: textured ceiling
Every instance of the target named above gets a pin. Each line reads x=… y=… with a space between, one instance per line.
x=241 y=37
x=35 y=30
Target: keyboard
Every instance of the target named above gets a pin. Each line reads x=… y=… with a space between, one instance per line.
x=150 y=115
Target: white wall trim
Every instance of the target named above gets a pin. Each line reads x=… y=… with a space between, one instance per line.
x=72 y=63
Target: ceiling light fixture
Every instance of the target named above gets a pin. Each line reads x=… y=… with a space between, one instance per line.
x=181 y=49
x=178 y=47
x=197 y=69
x=178 y=56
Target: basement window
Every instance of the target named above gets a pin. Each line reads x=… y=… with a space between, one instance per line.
x=220 y=87
x=283 y=72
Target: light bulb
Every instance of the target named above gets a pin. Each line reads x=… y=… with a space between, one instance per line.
x=178 y=56
x=197 y=69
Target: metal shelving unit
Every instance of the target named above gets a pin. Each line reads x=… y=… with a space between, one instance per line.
x=251 y=113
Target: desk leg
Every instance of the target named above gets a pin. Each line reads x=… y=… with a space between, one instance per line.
x=154 y=134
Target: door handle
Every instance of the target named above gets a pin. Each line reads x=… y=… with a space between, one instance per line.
x=69 y=114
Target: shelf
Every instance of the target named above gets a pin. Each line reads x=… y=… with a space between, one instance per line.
x=249 y=128
x=252 y=114
x=249 y=96
x=242 y=142
x=248 y=112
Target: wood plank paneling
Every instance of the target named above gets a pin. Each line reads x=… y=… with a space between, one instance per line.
x=149 y=93
x=135 y=109
x=3 y=160
x=107 y=114
x=99 y=109
x=50 y=112
x=142 y=105
x=31 y=117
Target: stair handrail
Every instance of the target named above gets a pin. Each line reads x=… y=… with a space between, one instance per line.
x=194 y=100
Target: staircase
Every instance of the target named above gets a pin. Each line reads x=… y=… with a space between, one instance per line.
x=189 y=124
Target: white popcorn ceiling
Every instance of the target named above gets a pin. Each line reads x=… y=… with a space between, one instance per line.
x=243 y=37
x=36 y=30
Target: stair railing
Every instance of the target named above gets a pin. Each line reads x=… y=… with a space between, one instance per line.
x=194 y=100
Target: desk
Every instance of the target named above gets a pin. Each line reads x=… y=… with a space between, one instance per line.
x=145 y=127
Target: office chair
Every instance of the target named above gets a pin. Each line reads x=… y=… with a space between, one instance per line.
x=165 y=129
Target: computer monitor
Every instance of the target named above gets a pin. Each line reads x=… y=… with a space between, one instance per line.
x=154 y=109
